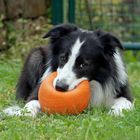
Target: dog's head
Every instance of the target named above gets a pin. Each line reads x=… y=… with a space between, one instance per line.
x=80 y=54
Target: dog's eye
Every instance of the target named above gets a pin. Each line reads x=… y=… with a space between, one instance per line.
x=83 y=65
x=62 y=60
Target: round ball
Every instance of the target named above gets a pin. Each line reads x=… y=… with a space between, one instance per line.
x=70 y=102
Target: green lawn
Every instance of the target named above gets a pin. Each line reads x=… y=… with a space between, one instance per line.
x=93 y=124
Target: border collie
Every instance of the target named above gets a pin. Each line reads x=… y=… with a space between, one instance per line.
x=76 y=55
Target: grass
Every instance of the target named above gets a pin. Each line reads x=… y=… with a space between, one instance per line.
x=93 y=124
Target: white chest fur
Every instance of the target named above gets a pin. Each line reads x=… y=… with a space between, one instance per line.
x=101 y=96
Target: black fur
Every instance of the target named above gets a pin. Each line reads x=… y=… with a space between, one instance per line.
x=33 y=69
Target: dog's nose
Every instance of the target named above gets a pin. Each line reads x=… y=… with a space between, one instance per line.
x=61 y=86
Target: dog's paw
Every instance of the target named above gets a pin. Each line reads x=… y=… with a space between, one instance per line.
x=120 y=104
x=12 y=111
x=31 y=108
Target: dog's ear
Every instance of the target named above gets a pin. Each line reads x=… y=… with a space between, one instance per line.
x=60 y=30
x=109 y=42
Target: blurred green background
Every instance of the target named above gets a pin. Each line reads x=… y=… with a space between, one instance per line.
x=23 y=22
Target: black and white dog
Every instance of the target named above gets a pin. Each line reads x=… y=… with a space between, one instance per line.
x=76 y=55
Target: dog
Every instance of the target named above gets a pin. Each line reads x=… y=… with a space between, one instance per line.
x=76 y=54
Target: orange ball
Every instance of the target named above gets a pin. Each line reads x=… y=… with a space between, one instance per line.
x=70 y=102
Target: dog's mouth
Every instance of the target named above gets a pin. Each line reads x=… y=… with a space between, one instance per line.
x=60 y=85
x=64 y=87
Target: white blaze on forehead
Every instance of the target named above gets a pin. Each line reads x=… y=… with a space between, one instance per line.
x=66 y=73
x=72 y=58
x=75 y=51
